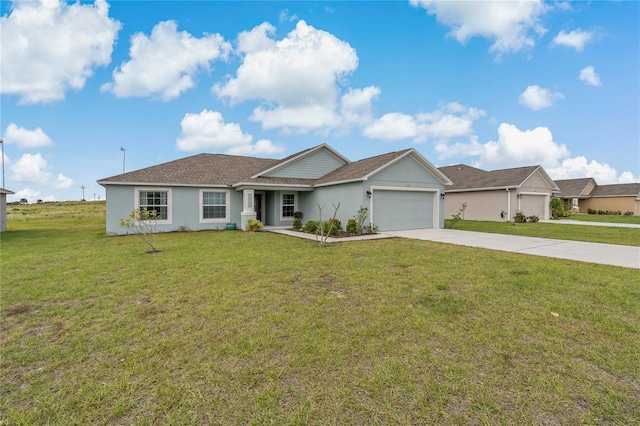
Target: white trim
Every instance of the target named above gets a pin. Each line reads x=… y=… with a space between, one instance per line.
x=248 y=205
x=227 y=211
x=436 y=200
x=185 y=185
x=295 y=205
x=136 y=192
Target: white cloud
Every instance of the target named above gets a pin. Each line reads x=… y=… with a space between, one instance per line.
x=31 y=195
x=576 y=39
x=165 y=63
x=589 y=76
x=30 y=168
x=49 y=47
x=516 y=148
x=579 y=167
x=448 y=121
x=62 y=182
x=297 y=77
x=33 y=169
x=508 y=23
x=286 y=17
x=208 y=131
x=355 y=105
x=392 y=126
x=536 y=98
x=24 y=138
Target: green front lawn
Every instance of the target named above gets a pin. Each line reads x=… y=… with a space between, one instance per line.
x=590 y=233
x=227 y=327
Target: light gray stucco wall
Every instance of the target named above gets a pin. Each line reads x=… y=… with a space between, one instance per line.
x=185 y=208
x=351 y=197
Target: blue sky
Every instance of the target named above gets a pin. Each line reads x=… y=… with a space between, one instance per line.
x=488 y=84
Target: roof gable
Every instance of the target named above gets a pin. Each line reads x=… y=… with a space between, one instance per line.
x=575 y=187
x=470 y=178
x=312 y=163
x=367 y=167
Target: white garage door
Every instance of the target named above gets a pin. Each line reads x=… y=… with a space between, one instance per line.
x=533 y=205
x=397 y=210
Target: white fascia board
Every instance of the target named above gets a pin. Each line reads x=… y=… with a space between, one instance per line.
x=273 y=186
x=494 y=188
x=339 y=182
x=193 y=185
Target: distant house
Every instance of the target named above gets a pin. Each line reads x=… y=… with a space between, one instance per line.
x=402 y=190
x=584 y=194
x=3 y=208
x=574 y=192
x=623 y=197
x=499 y=194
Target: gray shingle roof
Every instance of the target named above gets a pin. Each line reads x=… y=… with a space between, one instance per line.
x=201 y=169
x=361 y=168
x=573 y=188
x=617 y=190
x=228 y=170
x=467 y=177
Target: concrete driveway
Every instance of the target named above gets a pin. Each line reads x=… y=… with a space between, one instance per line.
x=606 y=254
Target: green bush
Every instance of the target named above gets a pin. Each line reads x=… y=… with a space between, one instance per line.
x=297 y=224
x=592 y=211
x=332 y=227
x=533 y=218
x=628 y=213
x=254 y=225
x=602 y=212
x=520 y=218
x=311 y=227
x=352 y=226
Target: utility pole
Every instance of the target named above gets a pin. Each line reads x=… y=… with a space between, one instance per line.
x=124 y=155
x=83 y=187
x=2 y=143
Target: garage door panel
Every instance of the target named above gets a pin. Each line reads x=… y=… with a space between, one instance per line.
x=396 y=210
x=533 y=205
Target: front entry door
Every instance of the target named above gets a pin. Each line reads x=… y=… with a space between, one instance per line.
x=257 y=205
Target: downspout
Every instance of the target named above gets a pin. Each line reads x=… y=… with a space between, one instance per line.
x=508 y=204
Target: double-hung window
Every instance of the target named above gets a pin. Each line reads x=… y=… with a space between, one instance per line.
x=214 y=206
x=288 y=205
x=156 y=201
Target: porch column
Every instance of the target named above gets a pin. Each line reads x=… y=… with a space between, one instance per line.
x=248 y=210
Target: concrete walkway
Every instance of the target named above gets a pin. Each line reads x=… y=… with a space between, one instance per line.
x=606 y=254
x=580 y=222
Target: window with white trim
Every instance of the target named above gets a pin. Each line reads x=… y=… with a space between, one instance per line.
x=157 y=201
x=288 y=205
x=214 y=206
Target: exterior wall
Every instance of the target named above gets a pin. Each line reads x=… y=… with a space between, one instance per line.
x=184 y=208
x=624 y=204
x=482 y=205
x=351 y=197
x=3 y=212
x=313 y=166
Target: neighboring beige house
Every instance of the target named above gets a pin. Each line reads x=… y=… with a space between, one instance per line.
x=580 y=195
x=623 y=197
x=3 y=208
x=499 y=194
x=574 y=192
